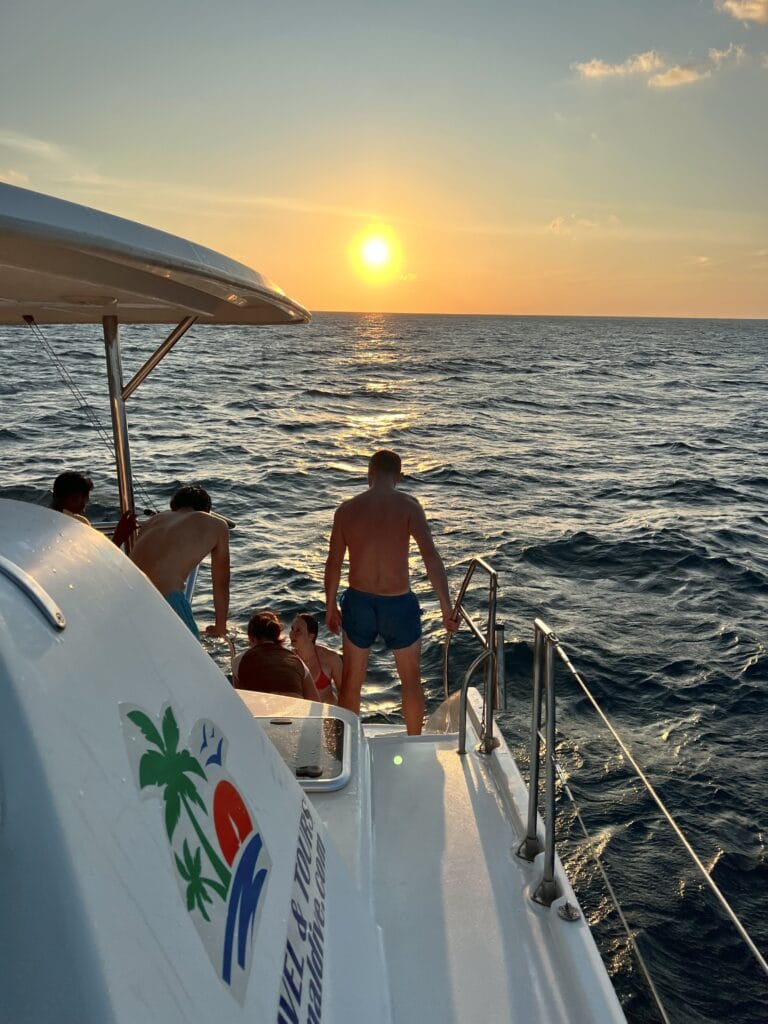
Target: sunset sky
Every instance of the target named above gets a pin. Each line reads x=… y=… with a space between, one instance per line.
x=606 y=158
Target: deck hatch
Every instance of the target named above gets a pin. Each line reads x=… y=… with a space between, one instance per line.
x=316 y=749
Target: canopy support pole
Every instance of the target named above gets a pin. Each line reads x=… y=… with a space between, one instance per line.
x=176 y=334
x=117 y=410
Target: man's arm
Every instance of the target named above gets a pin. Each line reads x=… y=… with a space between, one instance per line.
x=336 y=550
x=220 y=581
x=125 y=528
x=433 y=563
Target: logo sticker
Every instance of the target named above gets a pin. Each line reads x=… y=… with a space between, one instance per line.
x=218 y=853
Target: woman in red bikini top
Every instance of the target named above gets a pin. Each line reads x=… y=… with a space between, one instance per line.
x=324 y=664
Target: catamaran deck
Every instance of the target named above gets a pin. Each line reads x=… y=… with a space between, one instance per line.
x=442 y=844
x=432 y=835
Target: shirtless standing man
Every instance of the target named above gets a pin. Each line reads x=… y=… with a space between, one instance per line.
x=171 y=544
x=376 y=528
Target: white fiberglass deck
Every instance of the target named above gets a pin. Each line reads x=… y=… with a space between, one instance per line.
x=462 y=938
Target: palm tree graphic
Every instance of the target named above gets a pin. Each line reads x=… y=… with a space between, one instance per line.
x=171 y=768
x=191 y=871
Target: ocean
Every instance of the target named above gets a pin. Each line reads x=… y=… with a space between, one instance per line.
x=613 y=471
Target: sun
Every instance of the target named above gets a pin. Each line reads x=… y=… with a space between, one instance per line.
x=376 y=252
x=376 y=255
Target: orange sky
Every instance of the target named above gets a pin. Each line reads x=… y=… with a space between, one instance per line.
x=532 y=160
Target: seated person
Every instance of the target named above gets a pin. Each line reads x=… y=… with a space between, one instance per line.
x=267 y=667
x=71 y=494
x=323 y=663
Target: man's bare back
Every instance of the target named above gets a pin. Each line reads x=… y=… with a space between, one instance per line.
x=172 y=543
x=376 y=528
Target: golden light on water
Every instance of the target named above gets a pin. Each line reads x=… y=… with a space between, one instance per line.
x=376 y=255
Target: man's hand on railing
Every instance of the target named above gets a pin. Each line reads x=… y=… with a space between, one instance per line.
x=451 y=624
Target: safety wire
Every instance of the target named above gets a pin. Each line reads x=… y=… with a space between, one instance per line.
x=731 y=913
x=611 y=891
x=80 y=398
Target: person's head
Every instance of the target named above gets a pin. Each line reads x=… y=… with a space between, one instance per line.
x=265 y=627
x=384 y=465
x=304 y=628
x=71 y=492
x=196 y=498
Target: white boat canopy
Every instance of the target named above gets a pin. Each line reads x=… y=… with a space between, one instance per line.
x=62 y=263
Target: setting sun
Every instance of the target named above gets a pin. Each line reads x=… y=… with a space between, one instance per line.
x=376 y=252
x=376 y=256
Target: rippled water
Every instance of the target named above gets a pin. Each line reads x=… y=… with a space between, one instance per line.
x=613 y=471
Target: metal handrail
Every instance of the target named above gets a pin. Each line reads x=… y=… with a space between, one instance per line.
x=546 y=644
x=548 y=889
x=492 y=642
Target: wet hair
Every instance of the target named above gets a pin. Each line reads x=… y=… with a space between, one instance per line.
x=312 y=627
x=386 y=462
x=67 y=484
x=191 y=497
x=265 y=625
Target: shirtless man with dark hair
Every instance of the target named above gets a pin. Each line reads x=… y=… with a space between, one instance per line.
x=376 y=528
x=171 y=544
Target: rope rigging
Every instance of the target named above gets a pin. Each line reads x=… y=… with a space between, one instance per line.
x=82 y=402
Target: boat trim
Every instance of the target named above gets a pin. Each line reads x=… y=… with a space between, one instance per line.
x=36 y=594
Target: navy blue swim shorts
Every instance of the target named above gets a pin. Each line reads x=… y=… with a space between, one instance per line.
x=396 y=619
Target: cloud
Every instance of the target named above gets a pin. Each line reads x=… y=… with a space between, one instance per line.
x=680 y=74
x=11 y=177
x=733 y=53
x=640 y=64
x=764 y=61
x=671 y=76
x=702 y=261
x=73 y=173
x=197 y=198
x=568 y=226
x=762 y=253
x=33 y=147
x=745 y=10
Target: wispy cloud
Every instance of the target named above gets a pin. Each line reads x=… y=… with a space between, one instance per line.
x=764 y=61
x=640 y=64
x=732 y=54
x=140 y=187
x=680 y=74
x=33 y=147
x=73 y=173
x=571 y=224
x=702 y=261
x=745 y=10
x=11 y=177
x=659 y=74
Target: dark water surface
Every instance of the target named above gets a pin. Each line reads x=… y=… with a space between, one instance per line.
x=613 y=471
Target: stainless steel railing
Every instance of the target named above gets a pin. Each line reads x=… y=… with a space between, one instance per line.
x=546 y=645
x=491 y=657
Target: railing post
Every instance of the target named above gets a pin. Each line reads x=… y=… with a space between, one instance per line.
x=501 y=675
x=489 y=742
x=463 y=699
x=446 y=653
x=548 y=889
x=530 y=846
